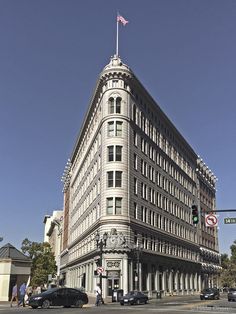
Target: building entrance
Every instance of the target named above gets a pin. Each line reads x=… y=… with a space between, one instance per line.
x=113 y=284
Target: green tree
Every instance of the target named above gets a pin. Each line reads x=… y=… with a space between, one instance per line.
x=228 y=275
x=43 y=261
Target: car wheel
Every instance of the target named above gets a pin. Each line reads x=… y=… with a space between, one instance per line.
x=46 y=304
x=121 y=303
x=229 y=300
x=201 y=298
x=34 y=307
x=79 y=303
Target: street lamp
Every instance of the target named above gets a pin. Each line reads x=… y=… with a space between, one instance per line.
x=138 y=249
x=101 y=243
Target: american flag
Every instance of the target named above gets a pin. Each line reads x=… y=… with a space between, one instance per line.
x=122 y=20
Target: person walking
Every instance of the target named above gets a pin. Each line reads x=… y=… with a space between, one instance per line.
x=22 y=291
x=98 y=293
x=14 y=295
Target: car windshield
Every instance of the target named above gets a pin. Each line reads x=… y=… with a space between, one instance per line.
x=208 y=290
x=50 y=291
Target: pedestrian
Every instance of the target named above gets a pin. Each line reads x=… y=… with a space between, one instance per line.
x=14 y=295
x=98 y=293
x=22 y=291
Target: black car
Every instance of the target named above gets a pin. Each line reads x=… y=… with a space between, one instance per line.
x=58 y=297
x=232 y=294
x=134 y=297
x=210 y=293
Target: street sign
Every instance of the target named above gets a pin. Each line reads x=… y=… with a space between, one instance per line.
x=228 y=221
x=211 y=220
x=100 y=270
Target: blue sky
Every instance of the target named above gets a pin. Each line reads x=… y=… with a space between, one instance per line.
x=51 y=53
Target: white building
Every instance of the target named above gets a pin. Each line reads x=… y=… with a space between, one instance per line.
x=53 y=234
x=131 y=177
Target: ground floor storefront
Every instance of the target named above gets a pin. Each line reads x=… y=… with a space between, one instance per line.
x=153 y=274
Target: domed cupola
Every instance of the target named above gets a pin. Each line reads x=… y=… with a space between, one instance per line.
x=116 y=68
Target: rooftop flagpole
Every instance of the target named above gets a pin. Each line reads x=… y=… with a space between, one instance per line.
x=117 y=34
x=121 y=19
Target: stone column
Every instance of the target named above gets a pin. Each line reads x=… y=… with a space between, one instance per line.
x=157 y=280
x=125 y=275
x=149 y=278
x=187 y=282
x=182 y=283
x=131 y=276
x=164 y=280
x=170 y=283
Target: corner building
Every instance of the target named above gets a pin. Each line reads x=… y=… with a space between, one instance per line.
x=132 y=177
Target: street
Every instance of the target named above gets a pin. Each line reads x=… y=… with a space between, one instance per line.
x=175 y=304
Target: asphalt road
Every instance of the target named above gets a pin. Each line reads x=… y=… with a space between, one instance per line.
x=169 y=305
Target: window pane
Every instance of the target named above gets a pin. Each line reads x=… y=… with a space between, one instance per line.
x=111 y=105
x=110 y=153
x=110 y=179
x=110 y=128
x=118 y=105
x=118 y=202
x=118 y=178
x=110 y=206
x=118 y=153
x=118 y=128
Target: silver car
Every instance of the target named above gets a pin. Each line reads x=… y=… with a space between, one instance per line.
x=232 y=294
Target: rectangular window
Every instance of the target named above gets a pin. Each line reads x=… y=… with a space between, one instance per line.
x=110 y=179
x=111 y=128
x=110 y=206
x=118 y=128
x=114 y=83
x=135 y=139
x=118 y=181
x=135 y=211
x=118 y=153
x=135 y=162
x=110 y=153
x=135 y=186
x=118 y=205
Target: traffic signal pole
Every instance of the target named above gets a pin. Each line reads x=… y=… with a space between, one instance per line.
x=219 y=211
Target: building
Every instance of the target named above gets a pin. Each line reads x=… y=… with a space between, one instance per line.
x=128 y=190
x=53 y=226
x=15 y=267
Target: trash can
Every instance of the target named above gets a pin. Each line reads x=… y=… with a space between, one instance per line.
x=159 y=295
x=114 y=295
x=120 y=293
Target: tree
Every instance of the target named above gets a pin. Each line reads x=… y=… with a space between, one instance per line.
x=228 y=275
x=43 y=260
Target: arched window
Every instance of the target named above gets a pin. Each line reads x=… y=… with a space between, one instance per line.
x=111 y=105
x=118 y=105
x=114 y=105
x=134 y=113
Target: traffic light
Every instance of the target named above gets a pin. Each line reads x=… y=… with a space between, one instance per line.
x=98 y=260
x=195 y=214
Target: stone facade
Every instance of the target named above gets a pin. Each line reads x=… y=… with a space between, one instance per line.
x=132 y=177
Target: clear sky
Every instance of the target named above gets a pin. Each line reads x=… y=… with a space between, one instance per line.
x=51 y=53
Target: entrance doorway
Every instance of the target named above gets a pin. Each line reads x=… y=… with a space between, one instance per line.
x=113 y=283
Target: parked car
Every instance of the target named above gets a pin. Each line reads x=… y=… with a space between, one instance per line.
x=210 y=293
x=232 y=294
x=133 y=297
x=59 y=297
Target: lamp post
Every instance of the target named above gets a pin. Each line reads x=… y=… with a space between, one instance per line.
x=137 y=249
x=101 y=243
